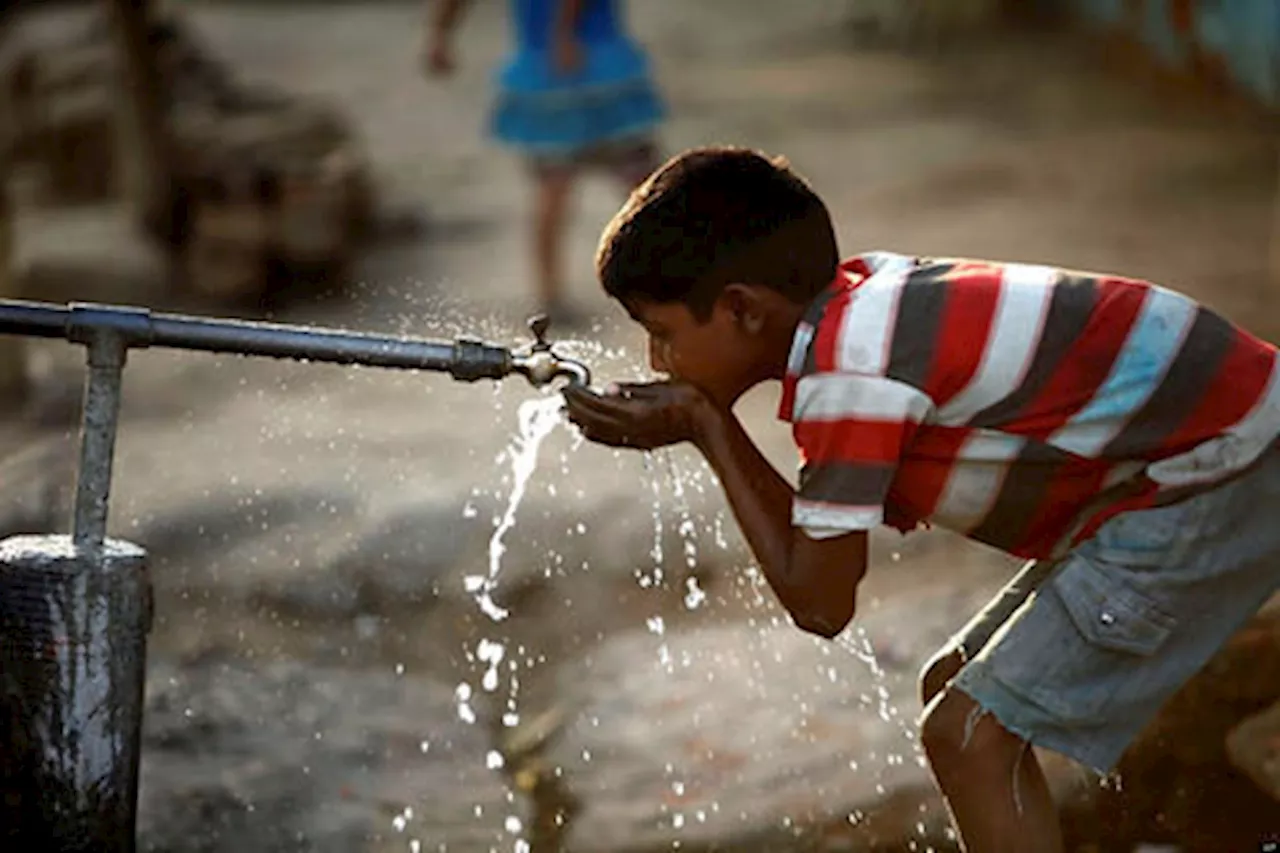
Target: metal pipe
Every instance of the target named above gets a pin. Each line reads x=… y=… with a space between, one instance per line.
x=32 y=319
x=464 y=359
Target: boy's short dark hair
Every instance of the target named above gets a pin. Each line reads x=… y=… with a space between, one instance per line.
x=715 y=216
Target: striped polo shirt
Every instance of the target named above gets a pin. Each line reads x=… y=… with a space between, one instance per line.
x=998 y=400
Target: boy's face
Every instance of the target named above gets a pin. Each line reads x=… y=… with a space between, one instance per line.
x=722 y=355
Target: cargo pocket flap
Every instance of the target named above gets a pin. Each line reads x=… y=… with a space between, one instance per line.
x=1110 y=614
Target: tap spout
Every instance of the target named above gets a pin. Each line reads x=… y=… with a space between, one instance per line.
x=540 y=364
x=543 y=367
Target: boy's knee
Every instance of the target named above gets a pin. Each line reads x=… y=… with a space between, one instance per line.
x=938 y=672
x=956 y=729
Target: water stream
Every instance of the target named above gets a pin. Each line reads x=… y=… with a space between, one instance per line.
x=671 y=488
x=537 y=418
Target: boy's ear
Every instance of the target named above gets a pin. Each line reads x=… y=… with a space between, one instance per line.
x=746 y=306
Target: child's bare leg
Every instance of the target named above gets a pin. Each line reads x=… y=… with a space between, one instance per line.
x=938 y=672
x=993 y=784
x=550 y=212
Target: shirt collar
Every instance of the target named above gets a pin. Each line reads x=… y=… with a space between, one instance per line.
x=849 y=277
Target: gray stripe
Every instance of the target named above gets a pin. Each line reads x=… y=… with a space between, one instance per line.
x=847 y=483
x=1022 y=495
x=1072 y=304
x=915 y=333
x=1189 y=378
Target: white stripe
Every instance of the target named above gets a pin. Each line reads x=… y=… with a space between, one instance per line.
x=989 y=445
x=799 y=348
x=976 y=479
x=1153 y=342
x=1230 y=452
x=869 y=318
x=841 y=396
x=879 y=262
x=1120 y=472
x=820 y=518
x=1025 y=293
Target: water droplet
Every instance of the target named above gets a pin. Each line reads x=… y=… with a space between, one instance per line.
x=694 y=596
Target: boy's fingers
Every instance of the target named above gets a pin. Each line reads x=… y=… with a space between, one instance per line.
x=610 y=407
x=607 y=437
x=594 y=423
x=591 y=410
x=582 y=400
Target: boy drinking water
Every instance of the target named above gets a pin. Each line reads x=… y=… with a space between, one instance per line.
x=1116 y=431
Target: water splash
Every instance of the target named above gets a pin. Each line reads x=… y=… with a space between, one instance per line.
x=537 y=419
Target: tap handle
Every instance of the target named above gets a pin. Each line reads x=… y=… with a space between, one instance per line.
x=538 y=325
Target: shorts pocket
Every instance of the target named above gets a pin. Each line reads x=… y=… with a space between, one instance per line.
x=1086 y=649
x=1110 y=614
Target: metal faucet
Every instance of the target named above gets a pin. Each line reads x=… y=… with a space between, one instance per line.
x=540 y=365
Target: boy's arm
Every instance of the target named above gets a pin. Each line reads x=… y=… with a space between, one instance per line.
x=816 y=580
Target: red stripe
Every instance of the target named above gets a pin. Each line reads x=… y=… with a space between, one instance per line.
x=972 y=292
x=1069 y=490
x=787 y=401
x=852 y=440
x=926 y=468
x=1240 y=381
x=1086 y=364
x=826 y=339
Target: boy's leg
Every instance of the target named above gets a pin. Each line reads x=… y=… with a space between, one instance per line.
x=995 y=790
x=974 y=636
x=1080 y=668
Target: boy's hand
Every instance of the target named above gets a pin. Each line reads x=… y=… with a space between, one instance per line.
x=641 y=416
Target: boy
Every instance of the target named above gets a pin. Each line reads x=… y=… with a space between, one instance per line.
x=1108 y=422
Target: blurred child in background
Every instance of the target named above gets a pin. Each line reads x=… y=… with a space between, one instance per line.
x=574 y=93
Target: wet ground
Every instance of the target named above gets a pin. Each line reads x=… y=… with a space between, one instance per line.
x=310 y=528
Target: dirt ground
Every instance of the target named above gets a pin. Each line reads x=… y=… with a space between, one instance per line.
x=312 y=525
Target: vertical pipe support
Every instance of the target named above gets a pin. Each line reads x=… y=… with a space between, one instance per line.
x=107 y=350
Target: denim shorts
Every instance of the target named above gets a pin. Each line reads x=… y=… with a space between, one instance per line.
x=1129 y=616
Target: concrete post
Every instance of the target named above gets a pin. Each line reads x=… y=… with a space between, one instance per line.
x=73 y=624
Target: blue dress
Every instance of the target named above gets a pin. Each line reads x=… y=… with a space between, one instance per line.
x=610 y=99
